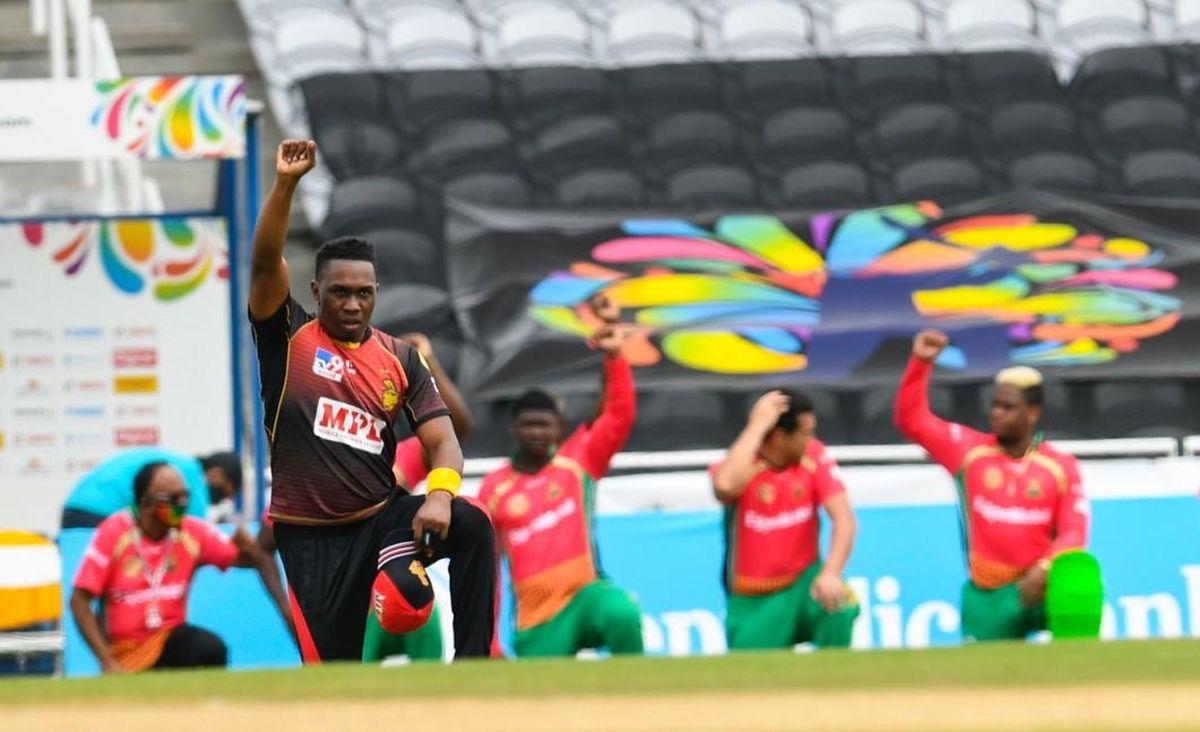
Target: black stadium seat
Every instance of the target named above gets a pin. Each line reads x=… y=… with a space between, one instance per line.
x=999 y=77
x=762 y=88
x=875 y=83
x=919 y=130
x=711 y=185
x=652 y=90
x=351 y=147
x=472 y=144
x=806 y=133
x=825 y=185
x=1145 y=122
x=1174 y=173
x=1056 y=170
x=1028 y=126
x=539 y=94
x=938 y=179
x=673 y=141
x=499 y=188
x=1117 y=72
x=407 y=256
x=600 y=188
x=371 y=202
x=573 y=142
x=421 y=100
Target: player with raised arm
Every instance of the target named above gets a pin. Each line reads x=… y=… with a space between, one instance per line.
x=332 y=389
x=1021 y=501
x=543 y=503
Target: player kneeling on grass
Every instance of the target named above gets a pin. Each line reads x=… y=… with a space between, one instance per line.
x=772 y=481
x=543 y=503
x=140 y=563
x=1025 y=513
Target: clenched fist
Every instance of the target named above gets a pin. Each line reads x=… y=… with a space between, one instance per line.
x=929 y=343
x=294 y=158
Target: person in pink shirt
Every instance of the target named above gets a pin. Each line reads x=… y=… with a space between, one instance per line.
x=140 y=565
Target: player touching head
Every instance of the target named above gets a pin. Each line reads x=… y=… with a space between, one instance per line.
x=772 y=482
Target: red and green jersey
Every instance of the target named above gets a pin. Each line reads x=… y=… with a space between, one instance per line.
x=544 y=519
x=772 y=528
x=1013 y=511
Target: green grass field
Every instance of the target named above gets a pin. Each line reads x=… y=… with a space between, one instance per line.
x=671 y=687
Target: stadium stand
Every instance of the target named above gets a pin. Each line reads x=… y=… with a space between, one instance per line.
x=747 y=103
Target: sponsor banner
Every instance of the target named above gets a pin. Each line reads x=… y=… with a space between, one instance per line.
x=149 y=117
x=131 y=349
x=907 y=570
x=1103 y=288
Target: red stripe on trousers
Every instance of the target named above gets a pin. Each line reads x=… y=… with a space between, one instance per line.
x=308 y=649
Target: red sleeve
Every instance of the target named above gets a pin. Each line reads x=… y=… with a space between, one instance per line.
x=409 y=466
x=946 y=442
x=608 y=433
x=94 y=570
x=827 y=479
x=1074 y=513
x=215 y=548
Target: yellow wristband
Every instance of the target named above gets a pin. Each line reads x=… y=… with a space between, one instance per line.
x=444 y=479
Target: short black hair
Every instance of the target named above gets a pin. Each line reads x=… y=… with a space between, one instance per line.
x=141 y=481
x=798 y=403
x=228 y=463
x=345 y=247
x=535 y=399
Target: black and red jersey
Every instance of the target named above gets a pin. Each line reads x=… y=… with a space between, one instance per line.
x=329 y=409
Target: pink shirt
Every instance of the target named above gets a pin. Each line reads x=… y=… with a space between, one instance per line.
x=120 y=564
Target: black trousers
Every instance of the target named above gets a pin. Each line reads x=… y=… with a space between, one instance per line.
x=330 y=570
x=190 y=646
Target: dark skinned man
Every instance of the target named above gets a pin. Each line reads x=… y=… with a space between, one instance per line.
x=333 y=388
x=1021 y=500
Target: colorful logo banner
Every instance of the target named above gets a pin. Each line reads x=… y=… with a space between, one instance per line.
x=152 y=118
x=740 y=299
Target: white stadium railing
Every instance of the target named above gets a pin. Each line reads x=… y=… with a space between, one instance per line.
x=1140 y=447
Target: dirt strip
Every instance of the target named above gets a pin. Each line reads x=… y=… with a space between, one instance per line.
x=1108 y=707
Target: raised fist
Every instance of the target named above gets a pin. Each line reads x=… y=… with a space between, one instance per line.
x=929 y=343
x=605 y=308
x=610 y=338
x=294 y=158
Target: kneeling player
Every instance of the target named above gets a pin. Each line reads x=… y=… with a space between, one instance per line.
x=773 y=479
x=1022 y=503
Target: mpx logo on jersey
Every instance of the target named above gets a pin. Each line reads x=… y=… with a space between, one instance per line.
x=340 y=422
x=328 y=365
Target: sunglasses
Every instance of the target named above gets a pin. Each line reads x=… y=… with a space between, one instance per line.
x=175 y=499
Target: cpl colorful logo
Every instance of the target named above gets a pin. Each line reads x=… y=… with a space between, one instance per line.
x=173 y=256
x=752 y=296
x=173 y=117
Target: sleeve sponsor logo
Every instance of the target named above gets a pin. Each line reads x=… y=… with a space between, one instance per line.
x=328 y=365
x=340 y=422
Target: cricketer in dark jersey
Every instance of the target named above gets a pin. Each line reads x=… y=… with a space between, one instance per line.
x=332 y=389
